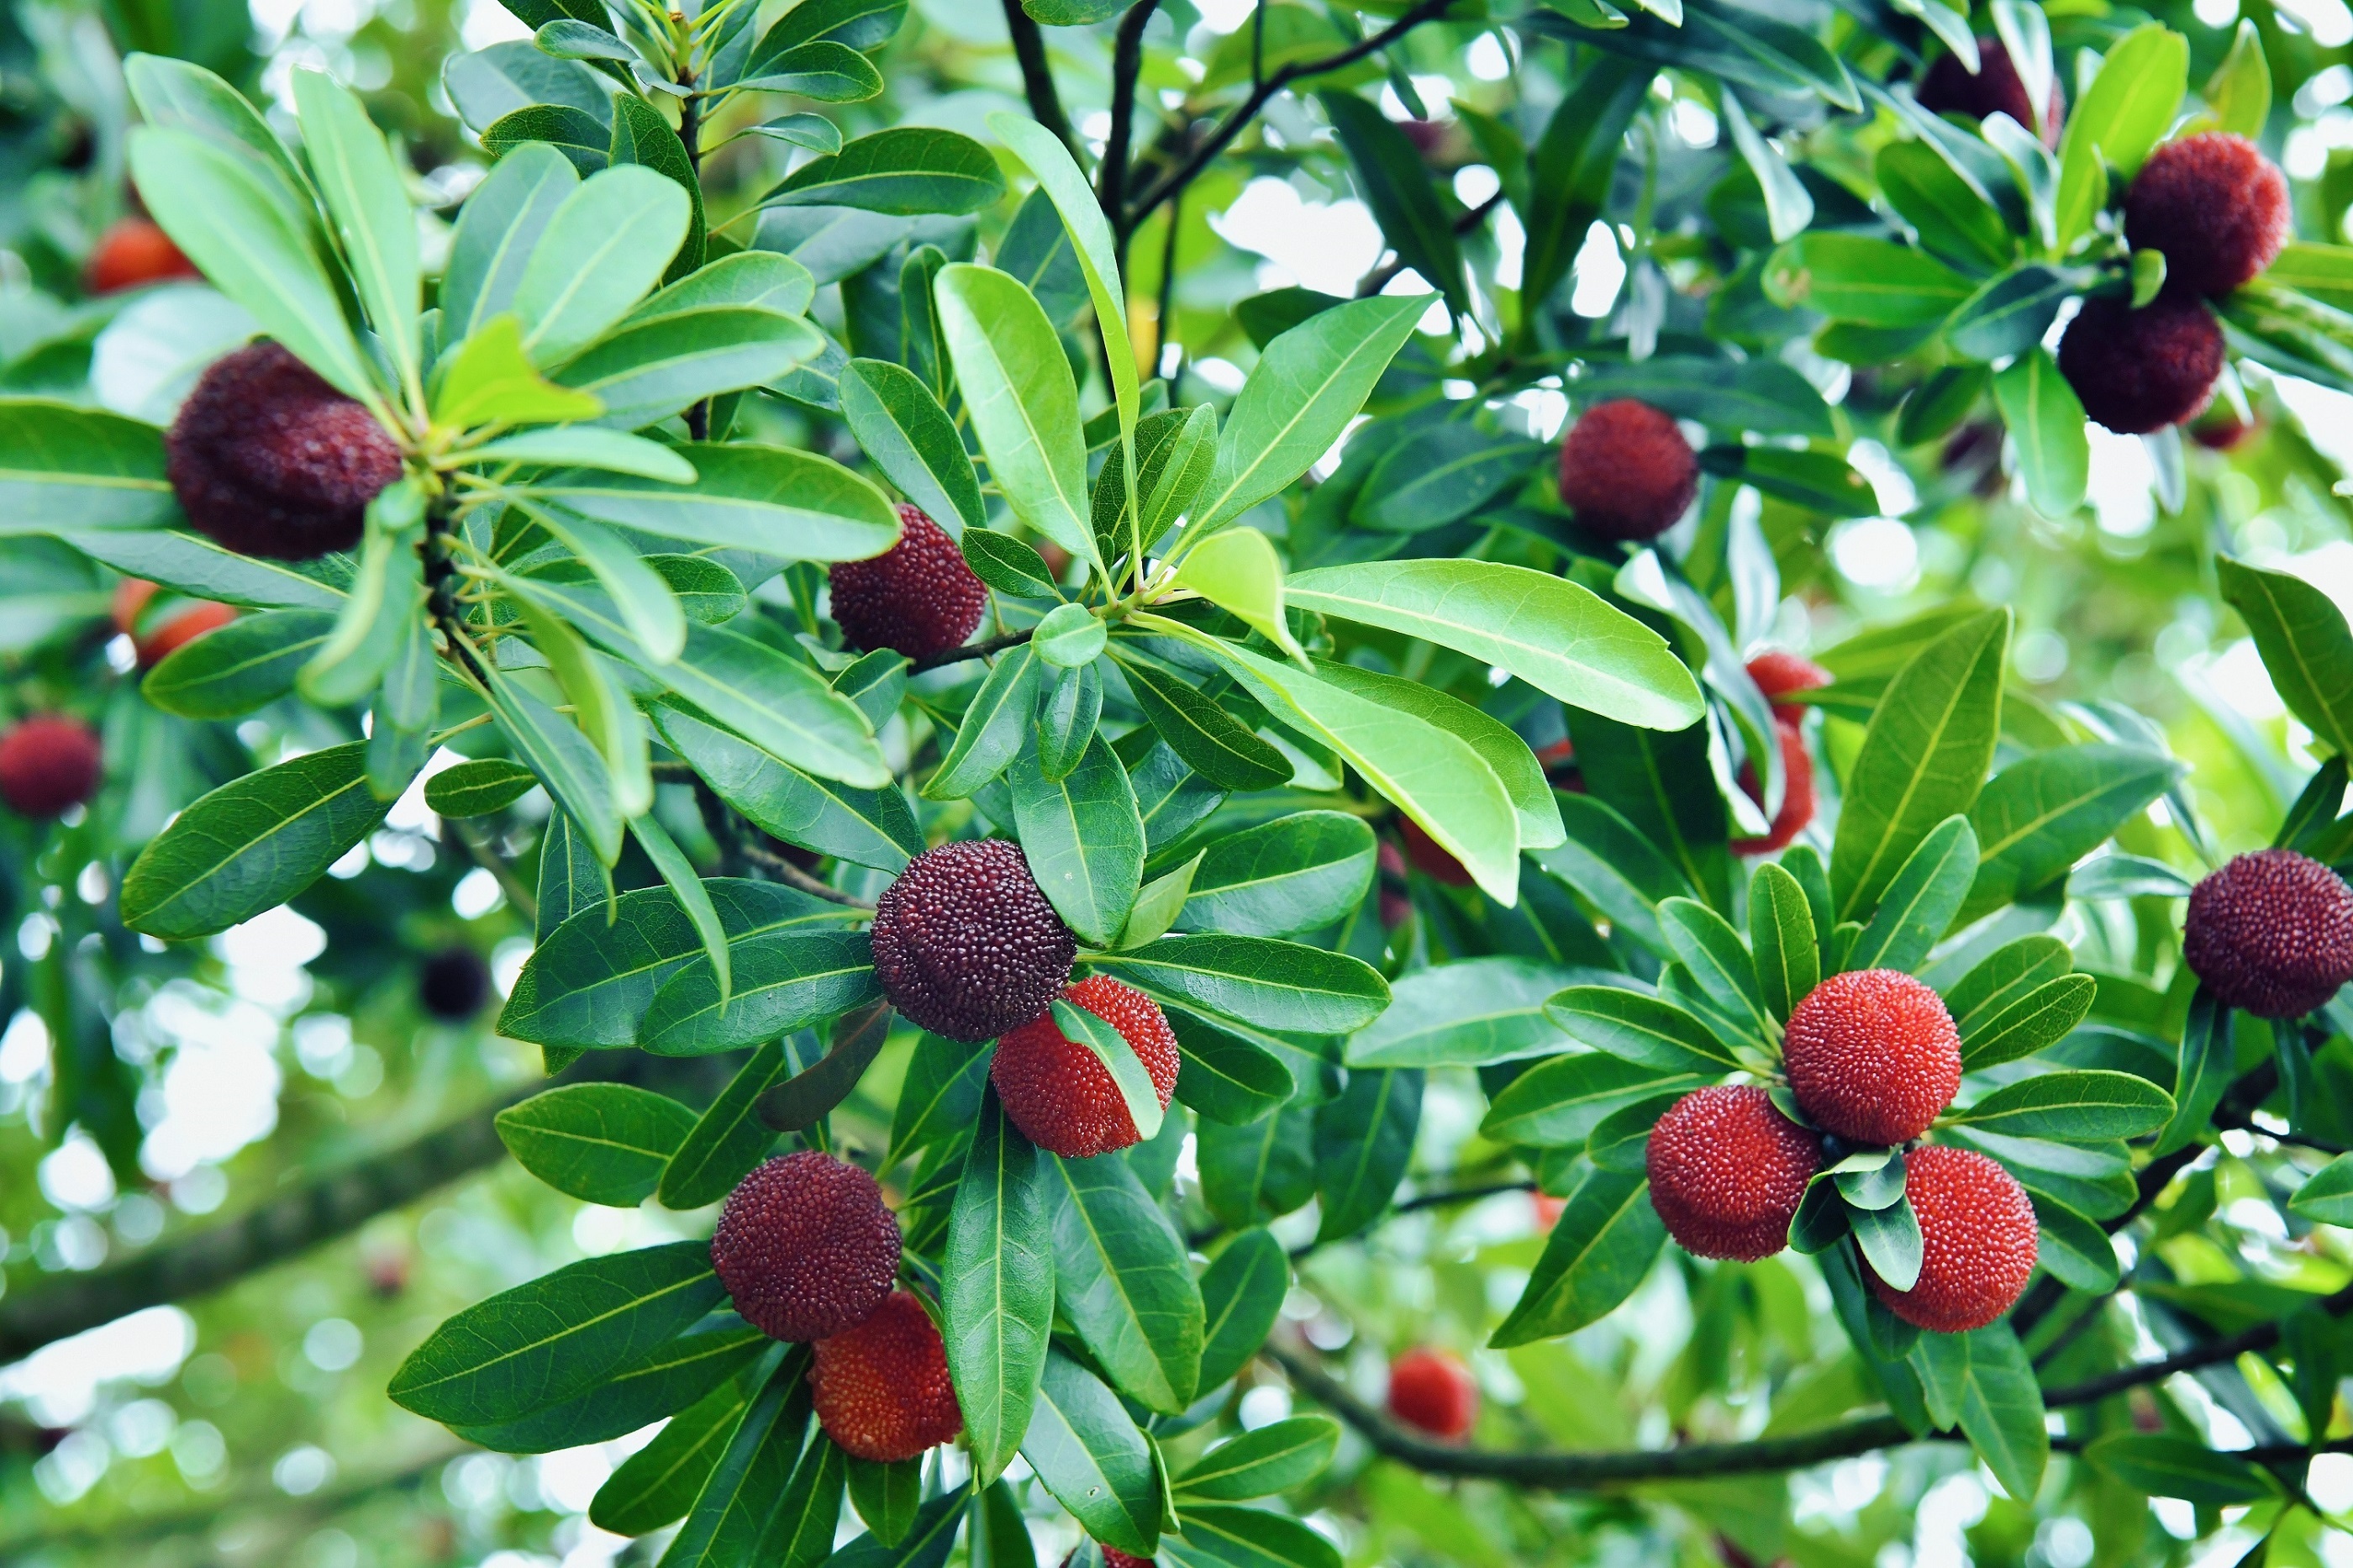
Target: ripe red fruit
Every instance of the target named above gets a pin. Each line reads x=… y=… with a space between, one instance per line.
x=49 y=763
x=1626 y=470
x=1429 y=856
x=1548 y=1209
x=1058 y=1092
x=917 y=597
x=1797 y=793
x=1977 y=1241
x=2271 y=932
x=2138 y=371
x=2215 y=205
x=454 y=983
x=179 y=623
x=805 y=1247
x=965 y=945
x=1778 y=673
x=132 y=251
x=1995 y=89
x=882 y=1389
x=1114 y=1558
x=1433 y=1390
x=267 y=459
x=1727 y=1172
x=1873 y=1056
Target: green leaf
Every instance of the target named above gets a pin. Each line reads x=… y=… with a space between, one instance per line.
x=538 y=1343
x=997 y=1292
x=1922 y=758
x=1121 y=1281
x=1952 y=219
x=1222 y=1535
x=823 y=70
x=864 y=25
x=2119 y=120
x=251 y=845
x=645 y=372
x=806 y=1098
x=1069 y=636
x=1891 y=1242
x=2001 y=1410
x=1008 y=564
x=2326 y=1195
x=1091 y=1457
x=2076 y=1252
x=1474 y=1011
x=1226 y=1077
x=1781 y=936
x=727 y=1140
x=2046 y=431
x=783 y=980
x=993 y=728
x=1919 y=906
x=503 y=220
x=1212 y=741
x=1614 y=866
x=772 y=500
x=64 y=467
x=187 y=97
x=601 y=1142
x=2009 y=314
x=909 y=169
x=1084 y=839
x=2304 y=643
x=1558 y=1102
x=1759 y=395
x=1273 y=985
x=1241 y=1292
x=1395 y=184
x=580 y=138
x=1258 y=1172
x=361 y=187
x=2239 y=93
x=1024 y=404
x=1364 y=1139
x=747 y=1490
x=1441 y=474
x=603 y=249
x=1084 y=1028
x=488 y=380
x=866 y=827
x=656 y=1485
x=668 y=1380
x=1711 y=952
x=2045 y=812
x=1237 y=572
x=901 y=427
x=1860 y=278
x=1294 y=874
x=1572 y=165
x=585 y=447
x=2035 y=1021
x=1649 y=1031
x=679 y=875
x=1600 y=1249
x=2085 y=1106
x=887 y=1496
x=924 y=1546
x=1307 y=385
x=2004 y=977
x=571 y=879
x=230 y=671
x=2163 y=1466
x=1276 y=1458
x=643 y=139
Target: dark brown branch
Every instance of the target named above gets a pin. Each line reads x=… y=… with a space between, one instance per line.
x=981 y=649
x=1377 y=279
x=1037 y=79
x=785 y=871
x=1231 y=126
x=1126 y=67
x=2230 y=1347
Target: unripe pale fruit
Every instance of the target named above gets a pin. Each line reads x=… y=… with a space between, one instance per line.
x=882 y=1389
x=1996 y=88
x=805 y=1247
x=454 y=983
x=134 y=250
x=1977 y=1241
x=1797 y=793
x=964 y=943
x=1729 y=1170
x=1778 y=673
x=2271 y=932
x=267 y=459
x=2140 y=371
x=2214 y=205
x=918 y=598
x=48 y=764
x=1432 y=1390
x=1626 y=470
x=1058 y=1092
x=179 y=622
x=1873 y=1056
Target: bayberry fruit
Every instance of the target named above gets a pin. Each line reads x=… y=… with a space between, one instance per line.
x=1729 y=1170
x=2140 y=371
x=2271 y=932
x=805 y=1247
x=1433 y=1390
x=964 y=943
x=1797 y=793
x=882 y=1389
x=454 y=983
x=918 y=598
x=1626 y=470
x=1995 y=87
x=1978 y=1241
x=1429 y=856
x=2214 y=205
x=1058 y=1092
x=135 y=250
x=1873 y=1056
x=1778 y=673
x=48 y=764
x=170 y=627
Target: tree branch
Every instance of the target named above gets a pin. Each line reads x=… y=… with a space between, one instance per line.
x=981 y=649
x=1126 y=67
x=1231 y=126
x=769 y=860
x=1373 y=282
x=1037 y=79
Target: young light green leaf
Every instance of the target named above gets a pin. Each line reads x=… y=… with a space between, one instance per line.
x=2119 y=120
x=1023 y=402
x=1158 y=903
x=361 y=186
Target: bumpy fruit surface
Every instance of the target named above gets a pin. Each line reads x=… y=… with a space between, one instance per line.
x=267 y=459
x=1626 y=470
x=1873 y=1056
x=454 y=983
x=1433 y=1391
x=965 y=945
x=805 y=1247
x=882 y=1389
x=1797 y=793
x=1114 y=1558
x=169 y=629
x=917 y=597
x=1977 y=1241
x=2215 y=205
x=48 y=764
x=1058 y=1092
x=1995 y=89
x=2138 y=371
x=1729 y=1170
x=134 y=250
x=1778 y=673
x=2271 y=932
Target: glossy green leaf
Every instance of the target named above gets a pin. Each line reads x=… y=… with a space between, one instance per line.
x=1647 y=1031
x=1276 y=1458
x=64 y=467
x=1474 y=1011
x=866 y=827
x=2305 y=646
x=1364 y=1139
x=1781 y=936
x=907 y=170
x=2083 y=1106
x=1224 y=1076
x=2046 y=428
x=1294 y=874
x=993 y=728
x=230 y=671
x=602 y=1142
x=2040 y=1018
x=604 y=248
x=997 y=1286
x=2001 y=1410
x=1024 y=404
x=1223 y=1535
x=2044 y=813
x=1857 y=278
x=1259 y=980
x=1211 y=741
x=656 y=1485
x=1572 y=165
x=901 y=427
x=1255 y=1174
x=727 y=1139
x=370 y=212
x=668 y=1380
x=1441 y=474
x=1121 y=1281
x=1600 y=1249
x=1920 y=901
x=1084 y=839
x=1557 y=1103
x=782 y=981
x=771 y=499
x=2117 y=122
x=1759 y=395
x=1953 y=221
x=1395 y=184
x=1091 y=1456
x=1242 y=1292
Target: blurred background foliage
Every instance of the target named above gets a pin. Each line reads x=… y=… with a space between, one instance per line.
x=249 y=1426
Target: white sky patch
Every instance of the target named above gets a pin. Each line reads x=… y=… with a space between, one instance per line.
x=1324 y=246
x=59 y=1381
x=220 y=1092
x=1876 y=553
x=2123 y=483
x=1599 y=271
x=1487 y=59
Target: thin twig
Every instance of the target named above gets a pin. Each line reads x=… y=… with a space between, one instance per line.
x=970 y=650
x=1377 y=279
x=769 y=860
x=1168 y=302
x=1037 y=78
x=490 y=860
x=1126 y=67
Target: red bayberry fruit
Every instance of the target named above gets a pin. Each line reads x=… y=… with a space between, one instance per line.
x=1729 y=1170
x=1797 y=793
x=2271 y=932
x=965 y=945
x=1058 y=1092
x=267 y=459
x=132 y=251
x=1778 y=673
x=2138 y=371
x=454 y=983
x=48 y=764
x=882 y=1389
x=1433 y=1390
x=1977 y=1241
x=2215 y=205
x=1627 y=471
x=805 y=1247
x=1995 y=87
x=1114 y=1558
x=1429 y=856
x=1548 y=1209
x=176 y=623
x=1873 y=1056
x=918 y=598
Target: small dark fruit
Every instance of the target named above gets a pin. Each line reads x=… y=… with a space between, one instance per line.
x=2271 y=932
x=918 y=598
x=49 y=763
x=965 y=945
x=2140 y=371
x=454 y=984
x=1627 y=471
x=807 y=1247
